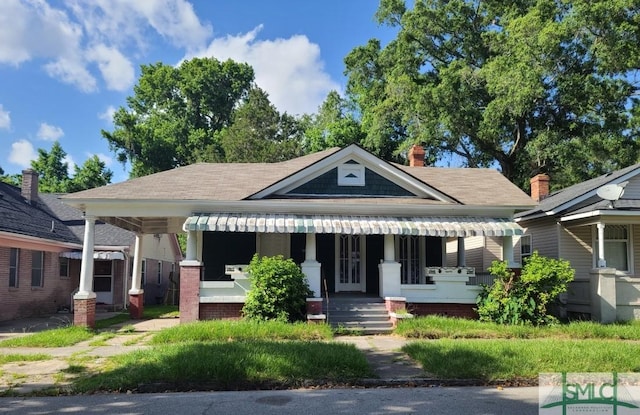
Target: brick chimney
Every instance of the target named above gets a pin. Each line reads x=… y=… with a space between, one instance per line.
x=30 y=185
x=539 y=187
x=416 y=156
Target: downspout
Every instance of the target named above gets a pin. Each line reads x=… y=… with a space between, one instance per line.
x=125 y=278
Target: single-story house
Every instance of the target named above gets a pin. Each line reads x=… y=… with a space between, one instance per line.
x=41 y=242
x=354 y=223
x=595 y=225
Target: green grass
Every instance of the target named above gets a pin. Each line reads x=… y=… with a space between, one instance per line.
x=108 y=322
x=11 y=358
x=509 y=359
x=435 y=327
x=60 y=337
x=160 y=311
x=222 y=365
x=222 y=330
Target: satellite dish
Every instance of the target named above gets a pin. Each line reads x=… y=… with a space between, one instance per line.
x=611 y=191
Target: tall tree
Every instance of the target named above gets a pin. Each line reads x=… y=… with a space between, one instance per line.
x=525 y=85
x=259 y=133
x=175 y=114
x=335 y=125
x=52 y=170
x=93 y=173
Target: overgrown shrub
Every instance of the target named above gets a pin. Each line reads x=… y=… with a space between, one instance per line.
x=524 y=299
x=278 y=290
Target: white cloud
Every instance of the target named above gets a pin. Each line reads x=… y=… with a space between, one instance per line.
x=289 y=70
x=122 y=21
x=5 y=119
x=116 y=69
x=49 y=132
x=22 y=152
x=69 y=36
x=108 y=114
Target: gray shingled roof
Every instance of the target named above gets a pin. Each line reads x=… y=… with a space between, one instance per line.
x=566 y=195
x=239 y=181
x=19 y=217
x=73 y=219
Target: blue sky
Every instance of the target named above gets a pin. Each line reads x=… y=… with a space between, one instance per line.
x=66 y=65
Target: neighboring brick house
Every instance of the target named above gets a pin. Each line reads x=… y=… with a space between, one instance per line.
x=354 y=223
x=41 y=248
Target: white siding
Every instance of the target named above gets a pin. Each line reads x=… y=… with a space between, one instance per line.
x=576 y=248
x=544 y=236
x=492 y=252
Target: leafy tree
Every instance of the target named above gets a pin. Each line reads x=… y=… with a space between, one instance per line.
x=335 y=125
x=175 y=114
x=93 y=173
x=278 y=290
x=259 y=133
x=52 y=170
x=524 y=299
x=528 y=86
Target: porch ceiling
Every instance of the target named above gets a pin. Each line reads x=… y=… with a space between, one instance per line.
x=442 y=226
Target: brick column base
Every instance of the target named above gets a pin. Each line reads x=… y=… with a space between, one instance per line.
x=84 y=313
x=394 y=304
x=136 y=306
x=190 y=291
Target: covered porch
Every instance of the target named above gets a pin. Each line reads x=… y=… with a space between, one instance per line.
x=402 y=260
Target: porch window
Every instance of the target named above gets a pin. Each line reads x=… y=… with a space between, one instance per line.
x=616 y=247
x=143 y=273
x=408 y=252
x=526 y=246
x=37 y=269
x=64 y=267
x=159 y=277
x=14 y=256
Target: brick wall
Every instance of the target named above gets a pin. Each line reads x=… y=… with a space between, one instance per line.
x=25 y=300
x=189 y=293
x=443 y=309
x=221 y=311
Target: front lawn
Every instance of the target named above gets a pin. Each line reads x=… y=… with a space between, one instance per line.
x=60 y=337
x=452 y=348
x=226 y=355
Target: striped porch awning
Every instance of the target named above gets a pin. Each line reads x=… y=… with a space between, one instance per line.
x=444 y=226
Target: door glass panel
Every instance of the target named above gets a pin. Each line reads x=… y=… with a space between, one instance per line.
x=350 y=259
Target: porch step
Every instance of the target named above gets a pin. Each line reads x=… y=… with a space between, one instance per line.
x=364 y=315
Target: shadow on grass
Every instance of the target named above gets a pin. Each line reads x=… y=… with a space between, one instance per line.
x=228 y=366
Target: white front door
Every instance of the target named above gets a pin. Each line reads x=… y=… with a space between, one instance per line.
x=350 y=263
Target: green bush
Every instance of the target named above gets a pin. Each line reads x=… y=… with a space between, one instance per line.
x=278 y=290
x=524 y=299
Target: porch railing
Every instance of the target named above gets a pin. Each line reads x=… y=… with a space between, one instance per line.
x=446 y=285
x=230 y=291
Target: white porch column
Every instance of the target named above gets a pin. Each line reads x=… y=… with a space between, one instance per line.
x=136 y=278
x=507 y=251
x=389 y=270
x=389 y=248
x=602 y=262
x=311 y=267
x=192 y=246
x=85 y=290
x=462 y=261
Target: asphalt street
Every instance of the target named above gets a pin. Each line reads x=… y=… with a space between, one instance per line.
x=436 y=400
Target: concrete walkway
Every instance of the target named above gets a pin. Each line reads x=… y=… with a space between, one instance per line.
x=382 y=351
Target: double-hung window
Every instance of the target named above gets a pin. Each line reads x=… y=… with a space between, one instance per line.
x=616 y=247
x=14 y=257
x=37 y=268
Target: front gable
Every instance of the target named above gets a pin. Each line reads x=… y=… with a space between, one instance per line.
x=349 y=173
